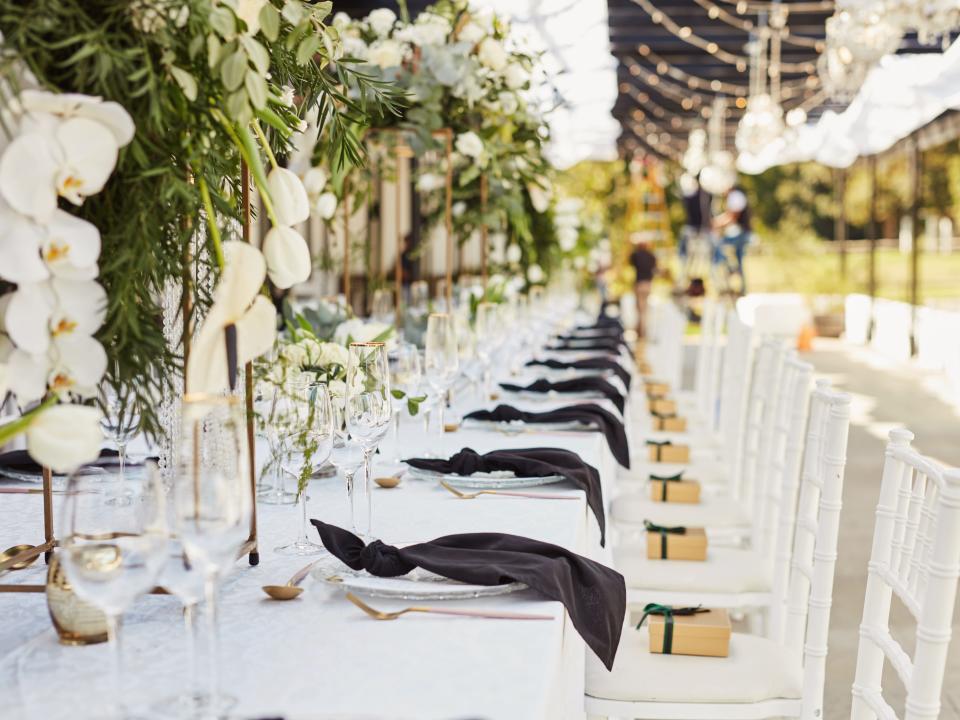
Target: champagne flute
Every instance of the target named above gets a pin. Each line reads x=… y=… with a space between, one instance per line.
x=112 y=555
x=486 y=332
x=441 y=359
x=213 y=504
x=368 y=410
x=271 y=407
x=120 y=423
x=404 y=376
x=419 y=294
x=310 y=443
x=347 y=456
x=382 y=308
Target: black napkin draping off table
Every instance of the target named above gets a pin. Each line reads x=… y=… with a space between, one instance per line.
x=593 y=594
x=593 y=363
x=588 y=413
x=528 y=462
x=593 y=383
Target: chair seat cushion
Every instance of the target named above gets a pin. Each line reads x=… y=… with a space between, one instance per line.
x=756 y=670
x=711 y=512
x=726 y=570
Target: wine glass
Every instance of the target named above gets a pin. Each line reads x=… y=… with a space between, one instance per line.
x=113 y=554
x=382 y=308
x=405 y=377
x=213 y=503
x=309 y=444
x=120 y=422
x=441 y=359
x=347 y=456
x=419 y=294
x=271 y=407
x=485 y=326
x=367 y=410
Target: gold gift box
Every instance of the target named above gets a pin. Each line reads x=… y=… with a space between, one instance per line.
x=656 y=389
x=670 y=423
x=644 y=367
x=669 y=453
x=678 y=491
x=706 y=634
x=661 y=406
x=688 y=545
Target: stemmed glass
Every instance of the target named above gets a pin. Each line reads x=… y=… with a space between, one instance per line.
x=368 y=409
x=120 y=423
x=404 y=376
x=272 y=406
x=485 y=327
x=113 y=555
x=309 y=441
x=347 y=456
x=419 y=294
x=382 y=307
x=213 y=503
x=441 y=359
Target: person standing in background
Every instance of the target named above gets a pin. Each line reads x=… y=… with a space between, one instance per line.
x=735 y=225
x=645 y=266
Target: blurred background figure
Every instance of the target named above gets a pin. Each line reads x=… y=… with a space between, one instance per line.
x=734 y=224
x=693 y=245
x=645 y=266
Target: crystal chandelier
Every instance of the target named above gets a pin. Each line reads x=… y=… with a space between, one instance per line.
x=762 y=123
x=932 y=20
x=858 y=34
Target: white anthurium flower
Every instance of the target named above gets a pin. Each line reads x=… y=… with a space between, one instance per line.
x=77 y=365
x=20 y=242
x=515 y=76
x=513 y=254
x=288 y=257
x=68 y=105
x=237 y=302
x=535 y=274
x=492 y=55
x=385 y=54
x=314 y=181
x=289 y=196
x=381 y=21
x=71 y=247
x=64 y=437
x=326 y=205
x=249 y=12
x=469 y=144
x=27 y=376
x=471 y=33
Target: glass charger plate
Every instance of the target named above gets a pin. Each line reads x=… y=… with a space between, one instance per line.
x=131 y=472
x=418 y=584
x=553 y=395
x=519 y=426
x=485 y=481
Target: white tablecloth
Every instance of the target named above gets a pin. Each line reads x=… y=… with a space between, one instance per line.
x=318 y=656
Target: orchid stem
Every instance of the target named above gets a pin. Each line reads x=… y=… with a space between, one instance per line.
x=266 y=145
x=212 y=222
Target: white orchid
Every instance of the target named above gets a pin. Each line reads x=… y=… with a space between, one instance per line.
x=492 y=55
x=381 y=21
x=469 y=144
x=287 y=256
x=36 y=313
x=64 y=437
x=385 y=54
x=289 y=196
x=237 y=302
x=110 y=114
x=326 y=205
x=72 y=364
x=515 y=76
x=67 y=247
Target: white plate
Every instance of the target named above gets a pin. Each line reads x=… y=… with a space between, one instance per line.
x=554 y=395
x=485 y=481
x=517 y=427
x=418 y=584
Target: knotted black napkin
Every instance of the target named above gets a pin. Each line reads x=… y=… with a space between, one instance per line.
x=593 y=363
x=593 y=384
x=593 y=594
x=587 y=413
x=529 y=462
x=603 y=321
x=600 y=345
x=579 y=340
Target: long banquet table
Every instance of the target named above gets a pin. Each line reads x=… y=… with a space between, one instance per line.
x=319 y=656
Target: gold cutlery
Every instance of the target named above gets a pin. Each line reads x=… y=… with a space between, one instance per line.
x=292 y=589
x=391 y=481
x=509 y=493
x=495 y=614
x=18 y=557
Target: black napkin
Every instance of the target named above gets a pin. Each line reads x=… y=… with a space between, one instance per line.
x=21 y=461
x=604 y=321
x=529 y=462
x=593 y=594
x=608 y=423
x=594 y=363
x=600 y=345
x=603 y=339
x=593 y=383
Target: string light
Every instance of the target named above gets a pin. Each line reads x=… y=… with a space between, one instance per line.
x=756 y=6
x=715 y=12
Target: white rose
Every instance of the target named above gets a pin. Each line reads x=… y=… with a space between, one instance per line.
x=509 y=103
x=289 y=196
x=326 y=205
x=355 y=48
x=381 y=21
x=341 y=20
x=432 y=29
x=294 y=354
x=288 y=257
x=513 y=254
x=385 y=54
x=459 y=208
x=428 y=182
x=469 y=144
x=249 y=12
x=64 y=437
x=332 y=353
x=492 y=54
x=515 y=76
x=567 y=238
x=471 y=33
x=535 y=274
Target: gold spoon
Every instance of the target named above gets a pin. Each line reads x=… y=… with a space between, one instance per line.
x=292 y=589
x=496 y=614
x=390 y=481
x=509 y=493
x=12 y=552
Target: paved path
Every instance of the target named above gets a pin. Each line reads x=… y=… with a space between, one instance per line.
x=885 y=395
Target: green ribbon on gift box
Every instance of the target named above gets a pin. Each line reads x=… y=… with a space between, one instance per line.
x=664 y=531
x=663 y=415
x=663 y=480
x=668 y=612
x=659 y=445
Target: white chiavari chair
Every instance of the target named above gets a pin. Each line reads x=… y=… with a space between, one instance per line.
x=763 y=677
x=915 y=556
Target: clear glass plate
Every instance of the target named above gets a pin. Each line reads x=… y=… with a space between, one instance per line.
x=485 y=481
x=519 y=426
x=418 y=584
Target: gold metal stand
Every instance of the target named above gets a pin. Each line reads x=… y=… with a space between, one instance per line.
x=484 y=191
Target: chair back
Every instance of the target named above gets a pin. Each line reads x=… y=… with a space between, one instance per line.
x=666 y=355
x=915 y=556
x=734 y=382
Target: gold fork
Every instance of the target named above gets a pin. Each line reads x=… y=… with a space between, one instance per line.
x=537 y=496
x=380 y=615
